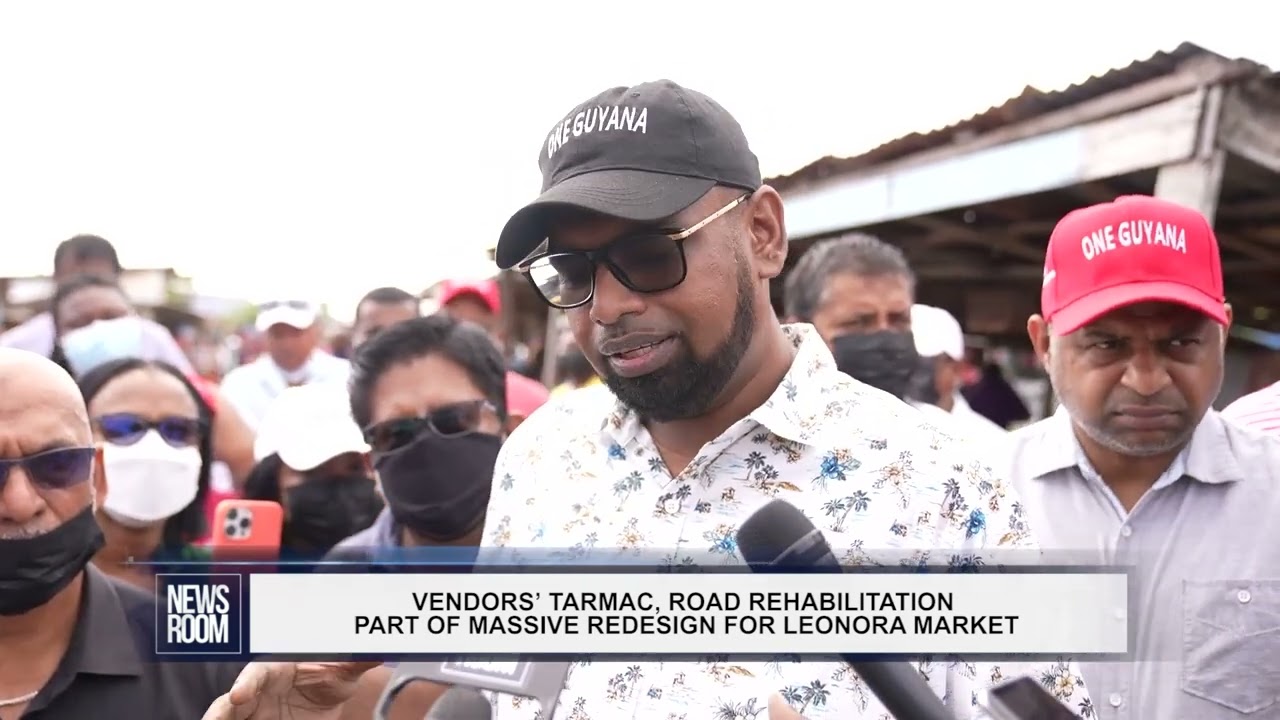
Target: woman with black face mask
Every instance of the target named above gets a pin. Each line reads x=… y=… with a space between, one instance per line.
x=312 y=460
x=430 y=395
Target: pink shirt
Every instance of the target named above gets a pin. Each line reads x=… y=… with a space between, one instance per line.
x=524 y=395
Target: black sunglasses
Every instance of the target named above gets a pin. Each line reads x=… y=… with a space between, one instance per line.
x=128 y=428
x=645 y=262
x=446 y=421
x=56 y=469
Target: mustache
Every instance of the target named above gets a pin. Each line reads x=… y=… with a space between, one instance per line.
x=20 y=533
x=617 y=338
x=1128 y=399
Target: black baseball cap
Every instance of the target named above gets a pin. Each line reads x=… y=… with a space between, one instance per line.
x=639 y=153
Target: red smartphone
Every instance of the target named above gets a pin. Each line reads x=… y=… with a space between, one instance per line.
x=247 y=529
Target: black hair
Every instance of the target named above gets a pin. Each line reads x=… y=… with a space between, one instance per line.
x=65 y=290
x=464 y=343
x=85 y=247
x=387 y=296
x=74 y=285
x=856 y=254
x=263 y=481
x=189 y=524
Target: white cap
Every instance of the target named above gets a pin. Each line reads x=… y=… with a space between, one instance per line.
x=937 y=332
x=294 y=313
x=308 y=425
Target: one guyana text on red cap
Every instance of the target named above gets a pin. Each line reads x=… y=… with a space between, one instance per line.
x=1132 y=233
x=597 y=119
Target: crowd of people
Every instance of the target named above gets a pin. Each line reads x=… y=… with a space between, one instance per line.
x=684 y=402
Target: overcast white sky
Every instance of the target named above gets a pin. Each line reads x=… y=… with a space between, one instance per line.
x=319 y=149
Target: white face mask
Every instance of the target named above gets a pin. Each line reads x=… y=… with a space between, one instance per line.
x=149 y=481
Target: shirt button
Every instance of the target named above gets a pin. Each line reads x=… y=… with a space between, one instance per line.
x=1126 y=531
x=1115 y=700
x=1244 y=596
x=1119 y=613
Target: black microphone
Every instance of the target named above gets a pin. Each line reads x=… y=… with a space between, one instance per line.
x=779 y=535
x=460 y=703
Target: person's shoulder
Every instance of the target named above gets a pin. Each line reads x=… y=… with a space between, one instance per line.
x=356 y=548
x=190 y=684
x=1266 y=400
x=240 y=375
x=883 y=431
x=573 y=413
x=332 y=363
x=1254 y=447
x=1043 y=430
x=566 y=420
x=136 y=602
x=936 y=416
x=35 y=335
x=864 y=413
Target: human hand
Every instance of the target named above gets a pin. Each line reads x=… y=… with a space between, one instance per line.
x=289 y=691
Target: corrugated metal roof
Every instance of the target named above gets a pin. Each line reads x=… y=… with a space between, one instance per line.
x=1029 y=104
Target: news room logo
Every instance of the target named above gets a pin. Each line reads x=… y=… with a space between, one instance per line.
x=198 y=614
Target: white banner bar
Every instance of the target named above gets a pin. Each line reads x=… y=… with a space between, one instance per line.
x=571 y=614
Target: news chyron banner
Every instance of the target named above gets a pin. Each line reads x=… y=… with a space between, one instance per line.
x=413 y=613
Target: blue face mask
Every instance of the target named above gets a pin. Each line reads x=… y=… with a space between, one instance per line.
x=101 y=342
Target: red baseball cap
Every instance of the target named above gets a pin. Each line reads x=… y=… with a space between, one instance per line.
x=524 y=395
x=486 y=290
x=1134 y=249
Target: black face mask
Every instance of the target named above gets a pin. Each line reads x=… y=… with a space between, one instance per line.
x=33 y=570
x=438 y=487
x=324 y=511
x=924 y=384
x=885 y=360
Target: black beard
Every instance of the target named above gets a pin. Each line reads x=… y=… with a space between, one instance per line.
x=687 y=386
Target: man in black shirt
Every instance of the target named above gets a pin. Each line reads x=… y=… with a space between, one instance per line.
x=72 y=641
x=75 y=643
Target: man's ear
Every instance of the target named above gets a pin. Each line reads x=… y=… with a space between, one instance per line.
x=1226 y=329
x=768 y=232
x=99 y=477
x=1038 y=333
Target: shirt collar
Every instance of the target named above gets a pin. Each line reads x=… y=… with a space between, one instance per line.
x=795 y=410
x=1208 y=458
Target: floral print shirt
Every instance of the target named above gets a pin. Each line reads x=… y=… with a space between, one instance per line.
x=583 y=474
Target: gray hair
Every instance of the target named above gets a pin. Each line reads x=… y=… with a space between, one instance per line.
x=854 y=254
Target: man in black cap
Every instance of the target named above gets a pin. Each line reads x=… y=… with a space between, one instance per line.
x=657 y=236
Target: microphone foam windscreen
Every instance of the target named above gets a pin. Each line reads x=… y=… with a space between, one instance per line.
x=770 y=531
x=461 y=703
